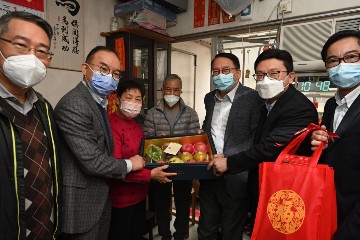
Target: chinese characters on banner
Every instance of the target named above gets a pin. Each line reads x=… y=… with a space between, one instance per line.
x=35 y=7
x=199 y=13
x=215 y=13
x=66 y=19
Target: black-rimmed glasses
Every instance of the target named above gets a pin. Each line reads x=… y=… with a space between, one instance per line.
x=272 y=74
x=225 y=70
x=24 y=49
x=348 y=58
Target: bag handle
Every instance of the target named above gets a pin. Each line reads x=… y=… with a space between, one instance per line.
x=293 y=146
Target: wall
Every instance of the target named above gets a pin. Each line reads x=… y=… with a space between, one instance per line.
x=260 y=14
x=202 y=85
x=97 y=16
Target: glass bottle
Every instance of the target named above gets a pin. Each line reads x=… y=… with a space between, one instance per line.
x=114 y=24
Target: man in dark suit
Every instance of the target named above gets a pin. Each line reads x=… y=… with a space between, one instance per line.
x=232 y=115
x=341 y=115
x=87 y=148
x=287 y=111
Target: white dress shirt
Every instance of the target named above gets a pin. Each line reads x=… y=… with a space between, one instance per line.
x=343 y=106
x=220 y=117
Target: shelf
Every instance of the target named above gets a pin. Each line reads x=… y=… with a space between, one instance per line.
x=142 y=32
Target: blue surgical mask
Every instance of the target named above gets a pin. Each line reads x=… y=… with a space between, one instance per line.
x=223 y=82
x=102 y=85
x=345 y=75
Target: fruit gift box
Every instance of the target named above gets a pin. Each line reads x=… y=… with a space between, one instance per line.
x=189 y=162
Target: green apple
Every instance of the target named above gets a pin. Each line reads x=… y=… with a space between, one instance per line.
x=186 y=156
x=175 y=160
x=200 y=156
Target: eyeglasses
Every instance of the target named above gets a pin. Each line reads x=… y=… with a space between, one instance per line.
x=348 y=58
x=225 y=70
x=272 y=74
x=105 y=70
x=24 y=49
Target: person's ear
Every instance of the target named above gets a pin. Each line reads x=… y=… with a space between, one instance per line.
x=291 y=77
x=84 y=68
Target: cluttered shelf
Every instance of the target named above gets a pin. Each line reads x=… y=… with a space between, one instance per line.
x=142 y=32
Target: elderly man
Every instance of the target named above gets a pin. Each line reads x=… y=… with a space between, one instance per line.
x=171 y=116
x=30 y=201
x=341 y=54
x=87 y=148
x=287 y=111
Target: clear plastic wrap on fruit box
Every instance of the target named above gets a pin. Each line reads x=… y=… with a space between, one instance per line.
x=187 y=155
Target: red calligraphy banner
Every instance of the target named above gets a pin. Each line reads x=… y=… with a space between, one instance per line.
x=199 y=13
x=213 y=13
x=226 y=18
x=111 y=107
x=33 y=4
x=120 y=51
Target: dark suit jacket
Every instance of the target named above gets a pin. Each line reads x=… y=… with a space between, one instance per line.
x=291 y=112
x=344 y=156
x=240 y=129
x=87 y=164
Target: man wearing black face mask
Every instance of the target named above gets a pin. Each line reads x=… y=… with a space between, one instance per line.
x=287 y=111
x=30 y=180
x=87 y=148
x=341 y=54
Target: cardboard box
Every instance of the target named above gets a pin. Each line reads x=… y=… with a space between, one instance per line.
x=135 y=5
x=185 y=171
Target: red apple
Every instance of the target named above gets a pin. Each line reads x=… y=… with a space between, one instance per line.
x=201 y=147
x=200 y=156
x=187 y=147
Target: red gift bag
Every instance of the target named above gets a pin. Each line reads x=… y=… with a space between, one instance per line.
x=297 y=196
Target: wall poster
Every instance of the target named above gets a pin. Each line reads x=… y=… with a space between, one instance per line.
x=67 y=20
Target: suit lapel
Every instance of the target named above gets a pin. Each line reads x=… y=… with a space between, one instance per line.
x=211 y=105
x=346 y=122
x=97 y=112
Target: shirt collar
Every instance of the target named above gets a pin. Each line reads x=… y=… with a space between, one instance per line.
x=348 y=99
x=269 y=105
x=230 y=95
x=103 y=101
x=31 y=99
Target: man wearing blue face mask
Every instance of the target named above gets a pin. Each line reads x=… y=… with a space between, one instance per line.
x=232 y=115
x=341 y=54
x=87 y=148
x=286 y=111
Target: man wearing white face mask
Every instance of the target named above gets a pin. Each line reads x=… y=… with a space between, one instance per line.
x=341 y=54
x=88 y=163
x=172 y=117
x=287 y=111
x=30 y=192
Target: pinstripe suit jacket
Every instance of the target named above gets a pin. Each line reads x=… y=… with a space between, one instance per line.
x=87 y=164
x=240 y=129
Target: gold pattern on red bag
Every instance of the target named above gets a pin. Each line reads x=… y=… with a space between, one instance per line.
x=286 y=211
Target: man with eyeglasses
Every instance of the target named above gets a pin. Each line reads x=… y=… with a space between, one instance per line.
x=286 y=111
x=232 y=115
x=87 y=148
x=341 y=115
x=30 y=181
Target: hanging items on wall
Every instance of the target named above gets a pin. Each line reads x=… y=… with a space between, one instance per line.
x=199 y=13
x=233 y=7
x=213 y=13
x=226 y=17
x=247 y=72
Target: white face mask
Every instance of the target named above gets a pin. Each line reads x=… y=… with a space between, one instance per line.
x=171 y=100
x=269 y=88
x=24 y=71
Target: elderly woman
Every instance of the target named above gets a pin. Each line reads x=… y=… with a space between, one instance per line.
x=128 y=197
